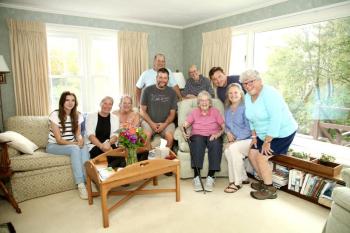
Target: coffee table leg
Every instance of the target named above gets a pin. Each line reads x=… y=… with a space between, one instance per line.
x=104 y=208
x=155 y=180
x=88 y=184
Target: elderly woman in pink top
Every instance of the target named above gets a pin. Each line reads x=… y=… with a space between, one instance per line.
x=207 y=127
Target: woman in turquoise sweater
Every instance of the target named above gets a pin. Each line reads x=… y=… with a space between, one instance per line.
x=273 y=130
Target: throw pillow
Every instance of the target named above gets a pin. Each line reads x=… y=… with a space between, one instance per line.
x=19 y=142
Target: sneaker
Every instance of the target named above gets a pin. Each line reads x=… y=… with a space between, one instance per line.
x=268 y=192
x=82 y=191
x=209 y=184
x=257 y=186
x=197 y=184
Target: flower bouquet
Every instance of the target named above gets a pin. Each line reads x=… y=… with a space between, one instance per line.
x=131 y=139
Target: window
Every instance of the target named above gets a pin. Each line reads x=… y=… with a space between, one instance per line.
x=306 y=60
x=83 y=61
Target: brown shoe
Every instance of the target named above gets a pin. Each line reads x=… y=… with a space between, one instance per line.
x=257 y=186
x=268 y=192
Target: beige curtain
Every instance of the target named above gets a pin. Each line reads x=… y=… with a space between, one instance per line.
x=216 y=50
x=133 y=59
x=29 y=67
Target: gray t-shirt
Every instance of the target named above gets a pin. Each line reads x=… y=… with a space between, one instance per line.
x=159 y=102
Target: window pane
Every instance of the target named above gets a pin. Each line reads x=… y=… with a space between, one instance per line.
x=238 y=54
x=59 y=85
x=309 y=65
x=63 y=55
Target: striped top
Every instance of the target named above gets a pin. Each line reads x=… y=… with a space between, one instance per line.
x=68 y=135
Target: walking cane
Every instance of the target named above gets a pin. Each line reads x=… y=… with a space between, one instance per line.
x=193 y=161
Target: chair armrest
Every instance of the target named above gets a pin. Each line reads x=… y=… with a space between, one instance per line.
x=341 y=196
x=346 y=176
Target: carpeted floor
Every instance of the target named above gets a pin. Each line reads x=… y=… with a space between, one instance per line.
x=213 y=212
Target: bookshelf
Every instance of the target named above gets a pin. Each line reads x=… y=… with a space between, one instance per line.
x=312 y=167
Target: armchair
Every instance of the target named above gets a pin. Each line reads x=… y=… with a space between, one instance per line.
x=338 y=219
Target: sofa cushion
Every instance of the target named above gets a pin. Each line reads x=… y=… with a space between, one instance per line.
x=19 y=142
x=35 y=128
x=39 y=160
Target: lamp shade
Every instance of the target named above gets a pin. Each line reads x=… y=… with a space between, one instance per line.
x=180 y=79
x=3 y=66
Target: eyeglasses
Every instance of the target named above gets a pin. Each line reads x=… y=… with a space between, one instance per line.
x=248 y=83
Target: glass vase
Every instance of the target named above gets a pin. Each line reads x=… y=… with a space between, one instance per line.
x=132 y=156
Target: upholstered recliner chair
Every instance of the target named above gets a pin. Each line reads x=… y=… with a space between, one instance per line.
x=339 y=218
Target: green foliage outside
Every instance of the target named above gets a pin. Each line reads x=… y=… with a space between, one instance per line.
x=313 y=73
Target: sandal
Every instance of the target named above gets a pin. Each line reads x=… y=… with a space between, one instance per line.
x=246 y=182
x=232 y=188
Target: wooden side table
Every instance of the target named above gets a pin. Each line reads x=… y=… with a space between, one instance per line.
x=5 y=174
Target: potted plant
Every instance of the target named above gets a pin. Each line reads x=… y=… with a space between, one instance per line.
x=301 y=155
x=326 y=159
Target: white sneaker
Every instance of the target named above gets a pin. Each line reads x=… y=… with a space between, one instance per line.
x=82 y=191
x=197 y=184
x=209 y=184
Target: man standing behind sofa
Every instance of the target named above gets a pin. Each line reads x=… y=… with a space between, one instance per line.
x=196 y=83
x=158 y=108
x=221 y=81
x=148 y=77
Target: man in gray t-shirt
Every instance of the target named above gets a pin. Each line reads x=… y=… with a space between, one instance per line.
x=158 y=109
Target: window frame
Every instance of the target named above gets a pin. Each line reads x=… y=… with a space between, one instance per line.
x=85 y=36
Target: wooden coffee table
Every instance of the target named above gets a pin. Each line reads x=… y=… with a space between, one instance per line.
x=145 y=171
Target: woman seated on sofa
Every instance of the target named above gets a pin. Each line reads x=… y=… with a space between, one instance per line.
x=238 y=136
x=65 y=137
x=273 y=130
x=207 y=128
x=100 y=129
x=127 y=117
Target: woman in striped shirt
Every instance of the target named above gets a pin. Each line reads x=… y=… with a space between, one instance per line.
x=65 y=137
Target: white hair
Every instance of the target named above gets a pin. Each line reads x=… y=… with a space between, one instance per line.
x=249 y=74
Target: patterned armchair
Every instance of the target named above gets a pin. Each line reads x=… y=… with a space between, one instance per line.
x=39 y=174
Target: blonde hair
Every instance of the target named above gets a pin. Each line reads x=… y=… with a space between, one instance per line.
x=227 y=100
x=249 y=74
x=122 y=99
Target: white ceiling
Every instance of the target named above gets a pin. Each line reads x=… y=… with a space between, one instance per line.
x=173 y=13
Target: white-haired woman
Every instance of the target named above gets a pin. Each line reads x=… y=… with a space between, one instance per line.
x=207 y=128
x=238 y=136
x=100 y=129
x=273 y=129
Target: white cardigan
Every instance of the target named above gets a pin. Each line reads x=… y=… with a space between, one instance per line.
x=91 y=123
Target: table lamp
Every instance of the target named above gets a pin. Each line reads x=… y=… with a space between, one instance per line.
x=180 y=79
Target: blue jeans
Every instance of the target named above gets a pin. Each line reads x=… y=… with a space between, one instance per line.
x=78 y=156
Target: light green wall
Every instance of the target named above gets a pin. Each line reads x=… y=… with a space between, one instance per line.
x=192 y=36
x=181 y=47
x=161 y=40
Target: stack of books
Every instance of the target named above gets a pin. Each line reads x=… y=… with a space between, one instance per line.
x=312 y=186
x=280 y=176
x=105 y=172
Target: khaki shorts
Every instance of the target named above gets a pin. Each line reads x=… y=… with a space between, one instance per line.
x=170 y=128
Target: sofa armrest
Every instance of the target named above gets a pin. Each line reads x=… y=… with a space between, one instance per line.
x=346 y=176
